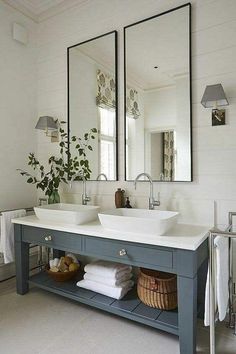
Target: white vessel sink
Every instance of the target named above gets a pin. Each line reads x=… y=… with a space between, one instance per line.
x=143 y=221
x=67 y=213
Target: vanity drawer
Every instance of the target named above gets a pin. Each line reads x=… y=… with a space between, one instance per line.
x=51 y=238
x=136 y=254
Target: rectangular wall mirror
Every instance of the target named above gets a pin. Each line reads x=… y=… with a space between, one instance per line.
x=92 y=101
x=158 y=97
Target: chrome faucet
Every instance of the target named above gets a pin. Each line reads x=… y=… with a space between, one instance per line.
x=85 y=197
x=101 y=175
x=152 y=201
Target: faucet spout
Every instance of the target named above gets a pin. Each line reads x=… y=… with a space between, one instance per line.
x=152 y=201
x=101 y=175
x=85 y=197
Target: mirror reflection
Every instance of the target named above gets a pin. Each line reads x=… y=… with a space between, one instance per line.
x=157 y=82
x=92 y=89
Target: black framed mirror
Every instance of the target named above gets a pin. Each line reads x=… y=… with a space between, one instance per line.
x=158 y=117
x=92 y=101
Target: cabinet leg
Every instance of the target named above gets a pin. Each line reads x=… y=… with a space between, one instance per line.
x=22 y=267
x=187 y=314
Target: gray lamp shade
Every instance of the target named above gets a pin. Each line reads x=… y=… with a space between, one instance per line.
x=214 y=95
x=46 y=123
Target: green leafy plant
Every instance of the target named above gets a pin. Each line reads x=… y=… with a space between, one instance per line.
x=65 y=167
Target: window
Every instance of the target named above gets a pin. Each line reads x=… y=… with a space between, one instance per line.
x=130 y=153
x=107 y=142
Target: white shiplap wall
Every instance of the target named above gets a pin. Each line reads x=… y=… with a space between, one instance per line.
x=17 y=108
x=214 y=52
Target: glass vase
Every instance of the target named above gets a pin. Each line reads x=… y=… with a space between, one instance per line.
x=54 y=197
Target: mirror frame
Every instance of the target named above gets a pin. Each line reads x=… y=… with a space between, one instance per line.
x=190 y=90
x=116 y=95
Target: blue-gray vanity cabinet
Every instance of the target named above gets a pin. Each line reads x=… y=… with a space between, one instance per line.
x=64 y=241
x=135 y=254
x=186 y=264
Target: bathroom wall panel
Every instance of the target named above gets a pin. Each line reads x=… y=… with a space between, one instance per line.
x=17 y=108
x=212 y=13
x=208 y=43
x=214 y=63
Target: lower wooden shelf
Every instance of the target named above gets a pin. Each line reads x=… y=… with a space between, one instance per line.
x=129 y=307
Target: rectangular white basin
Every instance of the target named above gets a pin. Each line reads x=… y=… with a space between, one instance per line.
x=67 y=213
x=143 y=221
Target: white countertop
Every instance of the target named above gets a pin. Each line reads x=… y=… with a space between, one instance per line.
x=183 y=236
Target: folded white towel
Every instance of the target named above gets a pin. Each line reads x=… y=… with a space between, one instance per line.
x=107 y=269
x=115 y=292
x=109 y=281
x=7 y=233
x=221 y=280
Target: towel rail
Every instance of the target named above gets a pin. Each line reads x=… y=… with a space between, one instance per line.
x=28 y=210
x=40 y=252
x=212 y=235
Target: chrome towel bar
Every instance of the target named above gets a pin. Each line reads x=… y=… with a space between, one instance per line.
x=212 y=235
x=26 y=209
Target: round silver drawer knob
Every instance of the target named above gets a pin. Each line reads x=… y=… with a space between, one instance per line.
x=48 y=238
x=122 y=252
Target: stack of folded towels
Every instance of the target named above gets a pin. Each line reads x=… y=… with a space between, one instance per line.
x=107 y=278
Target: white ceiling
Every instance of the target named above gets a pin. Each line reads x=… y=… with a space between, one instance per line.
x=39 y=10
x=100 y=50
x=163 y=42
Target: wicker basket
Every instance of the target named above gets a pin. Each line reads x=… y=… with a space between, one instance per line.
x=157 y=289
x=61 y=276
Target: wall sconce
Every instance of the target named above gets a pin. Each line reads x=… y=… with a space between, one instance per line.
x=50 y=126
x=214 y=96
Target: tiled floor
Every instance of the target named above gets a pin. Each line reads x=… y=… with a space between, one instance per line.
x=44 y=323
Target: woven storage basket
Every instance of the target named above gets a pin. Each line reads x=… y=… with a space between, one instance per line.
x=157 y=289
x=61 y=276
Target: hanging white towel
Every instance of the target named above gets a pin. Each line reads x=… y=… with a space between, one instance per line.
x=116 y=292
x=221 y=276
x=7 y=233
x=108 y=281
x=107 y=269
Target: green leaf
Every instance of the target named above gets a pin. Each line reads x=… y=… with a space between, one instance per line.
x=50 y=178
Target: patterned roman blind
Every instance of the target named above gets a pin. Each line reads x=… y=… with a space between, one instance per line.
x=169 y=156
x=106 y=90
x=132 y=104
